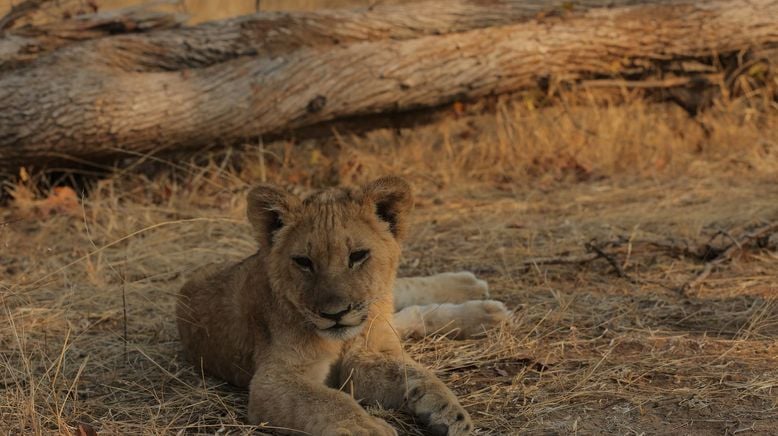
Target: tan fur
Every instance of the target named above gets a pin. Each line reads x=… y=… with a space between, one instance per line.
x=268 y=322
x=448 y=287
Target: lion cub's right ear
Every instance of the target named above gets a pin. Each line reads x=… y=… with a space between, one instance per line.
x=269 y=208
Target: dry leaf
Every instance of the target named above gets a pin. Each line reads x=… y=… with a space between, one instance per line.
x=459 y=108
x=62 y=200
x=85 y=430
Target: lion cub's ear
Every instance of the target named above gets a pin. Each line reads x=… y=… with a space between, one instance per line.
x=393 y=200
x=269 y=208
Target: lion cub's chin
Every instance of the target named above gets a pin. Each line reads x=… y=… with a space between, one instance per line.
x=340 y=332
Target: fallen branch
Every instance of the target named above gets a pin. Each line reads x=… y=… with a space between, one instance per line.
x=706 y=252
x=559 y=260
x=65 y=110
x=21 y=46
x=736 y=246
x=592 y=247
x=269 y=34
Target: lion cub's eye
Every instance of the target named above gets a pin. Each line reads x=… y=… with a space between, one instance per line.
x=357 y=257
x=305 y=263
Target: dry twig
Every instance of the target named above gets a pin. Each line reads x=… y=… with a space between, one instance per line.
x=727 y=253
x=560 y=260
x=592 y=246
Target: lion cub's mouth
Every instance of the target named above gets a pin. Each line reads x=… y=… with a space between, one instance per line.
x=339 y=330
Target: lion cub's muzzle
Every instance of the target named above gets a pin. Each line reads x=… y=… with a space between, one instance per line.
x=340 y=321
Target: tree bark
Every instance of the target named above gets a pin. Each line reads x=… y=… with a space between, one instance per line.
x=22 y=45
x=268 y=34
x=96 y=114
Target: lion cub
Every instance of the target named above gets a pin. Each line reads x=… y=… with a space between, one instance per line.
x=312 y=312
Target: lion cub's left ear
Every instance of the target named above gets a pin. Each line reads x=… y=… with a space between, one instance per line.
x=393 y=201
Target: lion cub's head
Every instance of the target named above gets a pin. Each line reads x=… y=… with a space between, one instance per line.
x=334 y=253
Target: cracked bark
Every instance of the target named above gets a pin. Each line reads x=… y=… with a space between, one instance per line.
x=61 y=107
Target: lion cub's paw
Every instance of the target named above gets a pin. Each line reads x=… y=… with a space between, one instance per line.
x=465 y=320
x=358 y=426
x=474 y=317
x=461 y=286
x=479 y=315
x=439 y=410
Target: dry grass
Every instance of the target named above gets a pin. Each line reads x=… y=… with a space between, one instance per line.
x=87 y=288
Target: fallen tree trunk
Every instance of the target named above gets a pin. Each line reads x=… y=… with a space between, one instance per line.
x=25 y=44
x=263 y=34
x=91 y=115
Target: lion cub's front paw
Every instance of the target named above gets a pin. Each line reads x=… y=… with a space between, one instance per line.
x=358 y=426
x=438 y=408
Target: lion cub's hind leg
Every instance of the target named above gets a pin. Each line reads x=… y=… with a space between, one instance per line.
x=450 y=287
x=459 y=321
x=452 y=303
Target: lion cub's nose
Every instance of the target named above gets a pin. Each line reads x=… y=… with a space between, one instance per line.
x=335 y=314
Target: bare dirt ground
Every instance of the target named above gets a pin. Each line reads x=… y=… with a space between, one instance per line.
x=593 y=224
